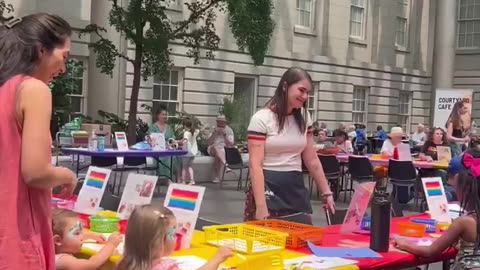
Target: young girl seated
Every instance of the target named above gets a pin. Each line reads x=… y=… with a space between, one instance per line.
x=150 y=241
x=464 y=229
x=68 y=237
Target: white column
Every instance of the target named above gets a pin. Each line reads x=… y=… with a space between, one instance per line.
x=444 y=47
x=106 y=92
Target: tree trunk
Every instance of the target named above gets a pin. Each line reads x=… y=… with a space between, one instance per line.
x=132 y=112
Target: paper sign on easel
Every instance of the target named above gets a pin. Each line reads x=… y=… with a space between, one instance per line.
x=357 y=208
x=157 y=141
x=138 y=191
x=444 y=154
x=436 y=199
x=184 y=201
x=404 y=153
x=122 y=144
x=92 y=190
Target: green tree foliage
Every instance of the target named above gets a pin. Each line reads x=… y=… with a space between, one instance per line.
x=147 y=25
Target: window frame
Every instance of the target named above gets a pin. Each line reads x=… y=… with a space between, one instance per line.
x=408 y=114
x=465 y=20
x=83 y=95
x=313 y=93
x=312 y=15
x=179 y=85
x=363 y=21
x=408 y=5
x=366 y=90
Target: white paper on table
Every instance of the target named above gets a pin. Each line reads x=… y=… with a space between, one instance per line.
x=357 y=208
x=444 y=153
x=185 y=201
x=316 y=263
x=189 y=262
x=157 y=140
x=138 y=190
x=404 y=153
x=436 y=199
x=454 y=210
x=122 y=145
x=97 y=247
x=92 y=190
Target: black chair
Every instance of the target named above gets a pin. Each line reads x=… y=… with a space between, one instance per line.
x=331 y=169
x=360 y=170
x=397 y=210
x=201 y=222
x=403 y=174
x=234 y=161
x=108 y=202
x=337 y=218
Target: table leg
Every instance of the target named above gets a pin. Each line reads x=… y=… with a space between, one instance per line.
x=78 y=164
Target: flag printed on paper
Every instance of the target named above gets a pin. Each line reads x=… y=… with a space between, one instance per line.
x=96 y=179
x=183 y=199
x=433 y=189
x=120 y=136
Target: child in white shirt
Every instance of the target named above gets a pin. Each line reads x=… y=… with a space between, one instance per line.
x=189 y=144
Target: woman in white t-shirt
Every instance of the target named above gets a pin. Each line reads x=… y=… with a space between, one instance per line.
x=279 y=138
x=189 y=144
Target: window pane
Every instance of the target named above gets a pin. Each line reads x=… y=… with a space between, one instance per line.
x=469 y=40
x=462 y=28
x=173 y=93
x=77 y=86
x=301 y=4
x=76 y=104
x=156 y=91
x=476 y=11
x=172 y=108
x=463 y=12
x=165 y=92
x=308 y=5
x=174 y=77
x=476 y=40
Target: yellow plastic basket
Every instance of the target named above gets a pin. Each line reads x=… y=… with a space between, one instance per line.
x=268 y=260
x=245 y=239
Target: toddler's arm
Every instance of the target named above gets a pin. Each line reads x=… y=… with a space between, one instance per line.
x=94 y=262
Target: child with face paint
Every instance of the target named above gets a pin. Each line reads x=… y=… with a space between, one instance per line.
x=68 y=237
x=150 y=240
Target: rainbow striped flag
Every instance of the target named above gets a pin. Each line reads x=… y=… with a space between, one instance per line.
x=433 y=189
x=96 y=179
x=183 y=199
x=120 y=136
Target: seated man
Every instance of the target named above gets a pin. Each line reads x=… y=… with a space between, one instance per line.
x=454 y=168
x=221 y=137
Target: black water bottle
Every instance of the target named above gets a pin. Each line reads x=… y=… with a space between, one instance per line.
x=380 y=222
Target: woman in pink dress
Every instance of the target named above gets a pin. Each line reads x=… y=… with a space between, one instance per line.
x=33 y=51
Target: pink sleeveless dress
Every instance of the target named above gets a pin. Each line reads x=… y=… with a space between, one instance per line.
x=26 y=240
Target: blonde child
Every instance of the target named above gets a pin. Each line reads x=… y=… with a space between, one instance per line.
x=190 y=145
x=68 y=237
x=150 y=241
x=463 y=230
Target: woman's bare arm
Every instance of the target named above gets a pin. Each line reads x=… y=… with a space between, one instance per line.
x=34 y=109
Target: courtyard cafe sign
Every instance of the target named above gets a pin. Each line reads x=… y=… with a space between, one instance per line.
x=445 y=99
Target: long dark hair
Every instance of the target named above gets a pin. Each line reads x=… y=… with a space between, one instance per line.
x=431 y=134
x=20 y=43
x=189 y=125
x=279 y=102
x=470 y=192
x=455 y=117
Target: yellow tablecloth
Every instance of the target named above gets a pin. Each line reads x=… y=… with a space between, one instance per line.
x=203 y=251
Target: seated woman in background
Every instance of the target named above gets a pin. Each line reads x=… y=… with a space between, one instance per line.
x=342 y=142
x=389 y=147
x=323 y=140
x=436 y=137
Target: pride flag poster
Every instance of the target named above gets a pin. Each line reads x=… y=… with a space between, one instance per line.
x=122 y=144
x=92 y=190
x=436 y=199
x=184 y=201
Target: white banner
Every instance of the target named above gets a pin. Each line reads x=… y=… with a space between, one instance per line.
x=444 y=101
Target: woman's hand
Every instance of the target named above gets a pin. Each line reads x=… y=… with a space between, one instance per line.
x=328 y=203
x=261 y=213
x=69 y=184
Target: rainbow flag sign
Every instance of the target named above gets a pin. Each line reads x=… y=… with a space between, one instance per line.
x=96 y=179
x=433 y=189
x=92 y=190
x=436 y=199
x=184 y=201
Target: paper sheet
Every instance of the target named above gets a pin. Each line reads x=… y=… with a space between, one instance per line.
x=317 y=263
x=352 y=253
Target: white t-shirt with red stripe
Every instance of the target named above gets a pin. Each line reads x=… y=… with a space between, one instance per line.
x=283 y=151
